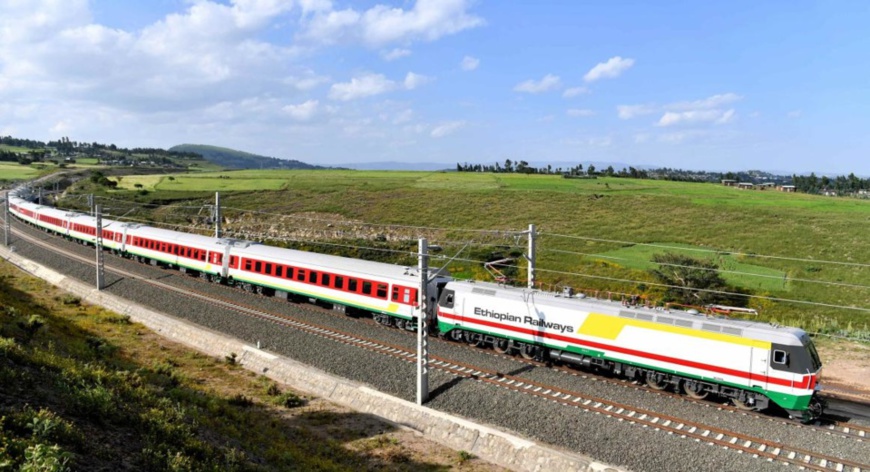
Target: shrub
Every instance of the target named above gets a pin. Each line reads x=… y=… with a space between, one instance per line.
x=32 y=325
x=289 y=400
x=241 y=401
x=43 y=458
x=465 y=456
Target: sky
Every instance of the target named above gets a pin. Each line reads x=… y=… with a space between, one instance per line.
x=773 y=85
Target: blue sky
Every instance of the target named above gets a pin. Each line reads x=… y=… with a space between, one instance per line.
x=780 y=86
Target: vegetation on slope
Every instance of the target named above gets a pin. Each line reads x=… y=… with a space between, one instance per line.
x=233 y=159
x=85 y=389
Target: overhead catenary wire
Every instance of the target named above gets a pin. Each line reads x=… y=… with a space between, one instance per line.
x=512 y=233
x=714 y=251
x=723 y=271
x=499 y=232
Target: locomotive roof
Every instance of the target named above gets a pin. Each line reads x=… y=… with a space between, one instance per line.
x=737 y=327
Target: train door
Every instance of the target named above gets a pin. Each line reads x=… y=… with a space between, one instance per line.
x=759 y=367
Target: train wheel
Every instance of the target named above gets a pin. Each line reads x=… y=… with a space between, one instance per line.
x=501 y=346
x=694 y=390
x=400 y=323
x=474 y=339
x=742 y=405
x=655 y=380
x=528 y=351
x=455 y=335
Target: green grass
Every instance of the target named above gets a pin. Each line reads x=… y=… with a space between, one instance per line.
x=8 y=148
x=799 y=229
x=751 y=276
x=87 y=389
x=15 y=171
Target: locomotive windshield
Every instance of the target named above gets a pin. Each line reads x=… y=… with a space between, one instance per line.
x=814 y=355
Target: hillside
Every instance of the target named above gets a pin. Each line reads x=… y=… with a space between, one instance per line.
x=82 y=388
x=231 y=158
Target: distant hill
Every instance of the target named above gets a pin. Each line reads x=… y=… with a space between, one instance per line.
x=393 y=165
x=234 y=159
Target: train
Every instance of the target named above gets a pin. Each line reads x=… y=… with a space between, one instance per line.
x=755 y=365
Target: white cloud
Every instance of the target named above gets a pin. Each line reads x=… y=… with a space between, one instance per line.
x=627 y=112
x=309 y=6
x=394 y=54
x=579 y=112
x=714 y=101
x=369 y=84
x=427 y=20
x=549 y=82
x=61 y=127
x=447 y=128
x=614 y=67
x=360 y=87
x=726 y=117
x=469 y=63
x=306 y=82
x=671 y=118
x=303 y=111
x=403 y=116
x=574 y=91
x=413 y=80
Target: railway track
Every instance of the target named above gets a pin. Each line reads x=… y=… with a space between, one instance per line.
x=756 y=447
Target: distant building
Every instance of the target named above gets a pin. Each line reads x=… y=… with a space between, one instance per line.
x=729 y=182
x=787 y=188
x=746 y=185
x=766 y=185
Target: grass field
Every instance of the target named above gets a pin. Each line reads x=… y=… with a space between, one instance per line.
x=577 y=219
x=15 y=171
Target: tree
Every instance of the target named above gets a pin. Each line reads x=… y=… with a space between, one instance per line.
x=691 y=280
x=590 y=170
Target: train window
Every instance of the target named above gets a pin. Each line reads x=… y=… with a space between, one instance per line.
x=289 y=273
x=352 y=285
x=780 y=357
x=382 y=291
x=407 y=296
x=234 y=262
x=247 y=264
x=258 y=266
x=268 y=269
x=324 y=280
x=279 y=270
x=395 y=293
x=312 y=276
x=367 y=287
x=339 y=282
x=300 y=275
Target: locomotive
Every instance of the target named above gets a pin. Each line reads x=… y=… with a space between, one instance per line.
x=755 y=365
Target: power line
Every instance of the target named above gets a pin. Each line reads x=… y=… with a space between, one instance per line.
x=724 y=271
x=656 y=284
x=733 y=253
